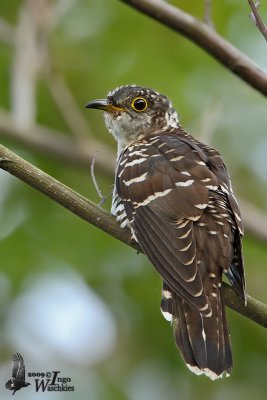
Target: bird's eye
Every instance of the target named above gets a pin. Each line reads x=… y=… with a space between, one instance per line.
x=139 y=104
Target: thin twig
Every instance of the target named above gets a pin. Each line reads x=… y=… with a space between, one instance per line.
x=103 y=198
x=207 y=14
x=85 y=209
x=206 y=38
x=94 y=178
x=257 y=18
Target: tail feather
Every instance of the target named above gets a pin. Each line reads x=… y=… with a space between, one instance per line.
x=203 y=341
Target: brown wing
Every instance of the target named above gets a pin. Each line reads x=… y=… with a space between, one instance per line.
x=179 y=203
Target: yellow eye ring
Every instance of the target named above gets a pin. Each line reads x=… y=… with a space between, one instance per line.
x=139 y=104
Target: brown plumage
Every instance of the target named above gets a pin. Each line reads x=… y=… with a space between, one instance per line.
x=175 y=194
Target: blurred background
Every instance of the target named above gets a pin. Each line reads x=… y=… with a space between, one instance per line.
x=72 y=298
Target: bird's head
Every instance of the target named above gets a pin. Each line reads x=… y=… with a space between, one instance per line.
x=132 y=112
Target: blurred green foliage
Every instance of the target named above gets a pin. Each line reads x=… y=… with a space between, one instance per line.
x=98 y=45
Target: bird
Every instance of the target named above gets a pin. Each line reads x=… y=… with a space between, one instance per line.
x=17 y=380
x=175 y=195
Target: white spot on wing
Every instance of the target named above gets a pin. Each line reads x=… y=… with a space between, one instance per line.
x=153 y=197
x=190 y=262
x=185 y=184
x=178 y=158
x=206 y=180
x=237 y=217
x=201 y=206
x=119 y=208
x=133 y=236
x=211 y=187
x=137 y=179
x=212 y=275
x=124 y=223
x=206 y=306
x=155 y=141
x=184 y=235
x=224 y=190
x=182 y=223
x=186 y=247
x=138 y=153
x=166 y=294
x=167 y=315
x=123 y=161
x=185 y=173
x=170 y=151
x=134 y=162
x=209 y=314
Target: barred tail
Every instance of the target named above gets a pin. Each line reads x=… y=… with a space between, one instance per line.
x=203 y=341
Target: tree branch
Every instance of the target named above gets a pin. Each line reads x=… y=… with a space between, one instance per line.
x=88 y=211
x=257 y=19
x=59 y=145
x=206 y=38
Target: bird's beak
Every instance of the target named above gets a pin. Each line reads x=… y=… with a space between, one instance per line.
x=102 y=104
